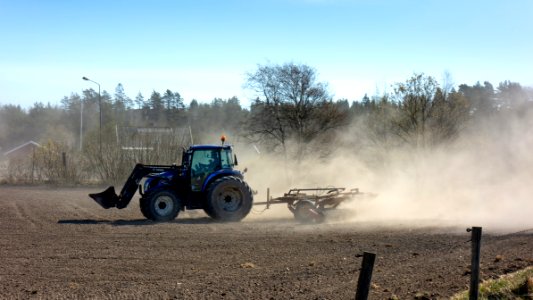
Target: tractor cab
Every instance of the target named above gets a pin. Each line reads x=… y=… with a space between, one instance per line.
x=206 y=161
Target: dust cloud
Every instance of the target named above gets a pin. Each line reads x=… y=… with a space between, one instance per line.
x=482 y=178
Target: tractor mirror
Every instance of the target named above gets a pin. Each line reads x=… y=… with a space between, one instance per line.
x=235 y=162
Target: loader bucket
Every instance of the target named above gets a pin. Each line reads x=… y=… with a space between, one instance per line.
x=107 y=198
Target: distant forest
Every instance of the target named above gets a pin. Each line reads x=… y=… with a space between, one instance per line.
x=293 y=114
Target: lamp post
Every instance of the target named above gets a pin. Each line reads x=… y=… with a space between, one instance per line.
x=100 y=109
x=81 y=124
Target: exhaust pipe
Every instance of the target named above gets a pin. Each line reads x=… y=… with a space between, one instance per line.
x=107 y=198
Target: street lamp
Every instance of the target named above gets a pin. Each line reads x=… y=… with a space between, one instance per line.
x=100 y=109
x=81 y=124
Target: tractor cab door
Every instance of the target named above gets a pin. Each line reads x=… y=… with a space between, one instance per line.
x=203 y=163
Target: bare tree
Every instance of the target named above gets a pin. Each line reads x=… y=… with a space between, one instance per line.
x=428 y=115
x=415 y=97
x=291 y=105
x=449 y=115
x=447 y=83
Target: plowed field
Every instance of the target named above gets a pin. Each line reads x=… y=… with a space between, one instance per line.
x=57 y=243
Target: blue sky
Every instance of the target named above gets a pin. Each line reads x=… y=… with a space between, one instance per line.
x=204 y=48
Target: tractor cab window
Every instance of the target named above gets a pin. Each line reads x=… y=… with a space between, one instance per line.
x=203 y=163
x=226 y=160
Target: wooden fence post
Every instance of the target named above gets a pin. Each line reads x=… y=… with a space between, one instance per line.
x=64 y=159
x=365 y=276
x=32 y=163
x=474 y=268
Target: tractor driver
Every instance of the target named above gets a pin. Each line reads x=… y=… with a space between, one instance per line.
x=204 y=162
x=210 y=163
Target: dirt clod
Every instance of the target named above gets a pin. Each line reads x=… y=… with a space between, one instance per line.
x=248 y=265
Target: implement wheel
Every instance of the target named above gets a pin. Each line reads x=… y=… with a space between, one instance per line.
x=229 y=199
x=160 y=206
x=306 y=212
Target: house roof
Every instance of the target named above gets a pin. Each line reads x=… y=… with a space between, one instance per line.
x=30 y=143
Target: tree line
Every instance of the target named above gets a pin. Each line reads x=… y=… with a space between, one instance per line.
x=293 y=114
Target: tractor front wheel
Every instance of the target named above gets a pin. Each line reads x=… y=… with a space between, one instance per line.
x=229 y=199
x=160 y=206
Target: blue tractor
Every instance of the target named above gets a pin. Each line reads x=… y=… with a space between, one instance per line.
x=206 y=179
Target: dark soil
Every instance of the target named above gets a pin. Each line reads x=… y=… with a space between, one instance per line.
x=57 y=243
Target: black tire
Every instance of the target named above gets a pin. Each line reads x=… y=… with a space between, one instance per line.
x=160 y=206
x=306 y=212
x=229 y=199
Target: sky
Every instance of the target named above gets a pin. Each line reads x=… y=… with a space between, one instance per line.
x=204 y=49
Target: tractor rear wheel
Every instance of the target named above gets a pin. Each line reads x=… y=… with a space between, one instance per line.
x=306 y=212
x=162 y=205
x=229 y=199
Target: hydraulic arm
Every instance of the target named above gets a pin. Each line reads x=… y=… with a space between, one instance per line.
x=109 y=198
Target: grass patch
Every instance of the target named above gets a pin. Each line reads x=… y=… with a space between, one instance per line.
x=518 y=285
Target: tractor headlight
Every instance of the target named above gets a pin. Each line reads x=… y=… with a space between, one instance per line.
x=146 y=185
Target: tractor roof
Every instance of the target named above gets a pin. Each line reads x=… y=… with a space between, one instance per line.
x=209 y=147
